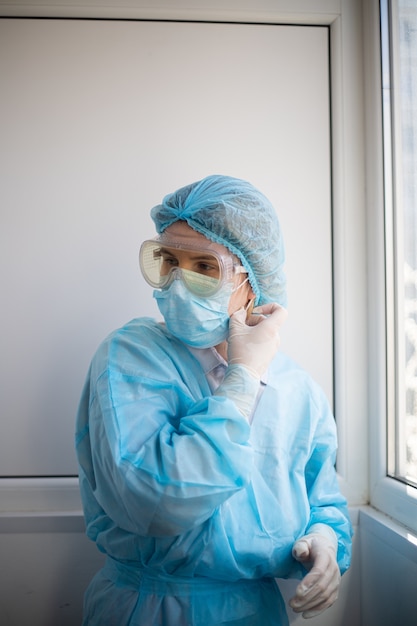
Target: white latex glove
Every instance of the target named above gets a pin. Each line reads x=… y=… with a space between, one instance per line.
x=320 y=587
x=254 y=342
x=252 y=345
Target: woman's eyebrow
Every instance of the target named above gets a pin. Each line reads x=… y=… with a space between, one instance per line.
x=166 y=251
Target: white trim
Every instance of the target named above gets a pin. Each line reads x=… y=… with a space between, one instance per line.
x=397 y=360
x=266 y=11
x=23 y=495
x=389 y=532
x=349 y=253
x=386 y=494
x=56 y=522
x=397 y=500
x=376 y=248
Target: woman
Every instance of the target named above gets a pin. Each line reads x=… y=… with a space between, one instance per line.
x=206 y=455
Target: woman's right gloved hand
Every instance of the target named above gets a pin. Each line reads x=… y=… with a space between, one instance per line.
x=253 y=343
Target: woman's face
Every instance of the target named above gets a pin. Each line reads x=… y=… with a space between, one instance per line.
x=202 y=261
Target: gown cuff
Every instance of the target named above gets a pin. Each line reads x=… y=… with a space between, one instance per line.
x=241 y=386
x=326 y=531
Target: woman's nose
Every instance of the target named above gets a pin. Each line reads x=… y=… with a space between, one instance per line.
x=185 y=264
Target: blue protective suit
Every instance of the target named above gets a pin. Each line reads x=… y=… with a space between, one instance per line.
x=196 y=509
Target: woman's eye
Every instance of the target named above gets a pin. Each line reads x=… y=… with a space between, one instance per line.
x=171 y=261
x=207 y=268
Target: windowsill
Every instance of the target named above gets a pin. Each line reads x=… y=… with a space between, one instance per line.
x=34 y=496
x=54 y=505
x=389 y=531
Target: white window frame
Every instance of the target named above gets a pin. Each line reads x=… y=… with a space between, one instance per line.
x=344 y=18
x=387 y=494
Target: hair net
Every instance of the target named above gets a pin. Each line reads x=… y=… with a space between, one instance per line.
x=232 y=212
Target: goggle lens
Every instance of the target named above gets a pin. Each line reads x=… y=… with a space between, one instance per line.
x=200 y=270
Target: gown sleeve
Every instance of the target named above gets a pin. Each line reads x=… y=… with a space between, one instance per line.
x=327 y=505
x=157 y=452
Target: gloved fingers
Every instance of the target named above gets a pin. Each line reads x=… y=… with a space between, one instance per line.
x=315 y=547
x=301 y=550
x=318 y=609
x=316 y=606
x=254 y=319
x=238 y=318
x=323 y=576
x=271 y=308
x=270 y=321
x=266 y=311
x=318 y=590
x=255 y=343
x=317 y=586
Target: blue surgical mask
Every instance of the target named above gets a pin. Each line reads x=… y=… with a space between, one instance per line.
x=198 y=322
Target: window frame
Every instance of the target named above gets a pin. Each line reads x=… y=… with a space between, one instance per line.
x=387 y=494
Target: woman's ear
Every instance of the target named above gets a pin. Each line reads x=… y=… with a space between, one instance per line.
x=251 y=296
x=249 y=307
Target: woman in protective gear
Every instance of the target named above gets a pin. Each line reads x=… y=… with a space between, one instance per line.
x=206 y=455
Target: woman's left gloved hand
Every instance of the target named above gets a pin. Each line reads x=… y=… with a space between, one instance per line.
x=319 y=589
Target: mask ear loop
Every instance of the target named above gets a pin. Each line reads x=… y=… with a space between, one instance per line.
x=249 y=308
x=241 y=285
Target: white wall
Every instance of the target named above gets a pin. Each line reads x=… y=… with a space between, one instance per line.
x=47 y=564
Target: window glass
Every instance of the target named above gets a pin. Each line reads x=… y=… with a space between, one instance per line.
x=402 y=83
x=408 y=102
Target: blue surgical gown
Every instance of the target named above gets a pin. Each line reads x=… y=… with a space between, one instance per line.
x=196 y=509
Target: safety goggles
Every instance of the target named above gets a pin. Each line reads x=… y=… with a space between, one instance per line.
x=203 y=270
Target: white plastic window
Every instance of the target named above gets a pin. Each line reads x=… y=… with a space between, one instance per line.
x=399 y=46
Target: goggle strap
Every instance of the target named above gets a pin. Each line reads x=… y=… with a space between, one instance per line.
x=241 y=285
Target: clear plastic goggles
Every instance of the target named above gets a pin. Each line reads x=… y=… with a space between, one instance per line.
x=203 y=270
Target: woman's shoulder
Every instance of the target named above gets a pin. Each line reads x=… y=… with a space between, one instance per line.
x=284 y=365
x=287 y=372
x=140 y=331
x=141 y=345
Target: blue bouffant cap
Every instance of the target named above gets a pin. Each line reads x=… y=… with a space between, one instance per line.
x=232 y=212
